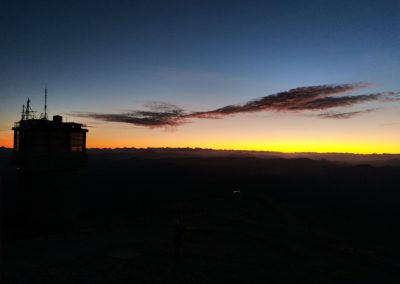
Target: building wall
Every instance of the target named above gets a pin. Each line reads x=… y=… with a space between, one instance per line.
x=42 y=141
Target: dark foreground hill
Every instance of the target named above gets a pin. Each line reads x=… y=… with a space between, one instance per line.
x=157 y=153
x=246 y=219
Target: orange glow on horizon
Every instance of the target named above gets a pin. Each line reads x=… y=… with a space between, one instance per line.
x=284 y=147
x=276 y=146
x=274 y=143
x=7 y=139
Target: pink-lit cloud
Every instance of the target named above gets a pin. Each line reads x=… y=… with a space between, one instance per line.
x=312 y=98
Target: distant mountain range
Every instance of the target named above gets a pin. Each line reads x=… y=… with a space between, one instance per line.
x=157 y=153
x=154 y=153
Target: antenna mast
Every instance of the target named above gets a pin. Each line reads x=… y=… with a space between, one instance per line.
x=29 y=113
x=27 y=108
x=23 y=112
x=45 y=103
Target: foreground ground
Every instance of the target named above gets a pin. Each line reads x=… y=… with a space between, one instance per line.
x=246 y=221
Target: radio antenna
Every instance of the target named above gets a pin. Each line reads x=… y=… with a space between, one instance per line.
x=23 y=112
x=45 y=103
x=44 y=115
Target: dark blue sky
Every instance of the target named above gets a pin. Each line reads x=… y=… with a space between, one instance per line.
x=116 y=55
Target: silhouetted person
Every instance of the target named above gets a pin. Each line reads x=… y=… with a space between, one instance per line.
x=178 y=237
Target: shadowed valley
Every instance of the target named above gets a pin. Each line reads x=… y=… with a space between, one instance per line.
x=245 y=219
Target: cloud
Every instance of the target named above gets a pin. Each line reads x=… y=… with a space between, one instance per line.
x=345 y=115
x=294 y=99
x=331 y=102
x=312 y=98
x=158 y=115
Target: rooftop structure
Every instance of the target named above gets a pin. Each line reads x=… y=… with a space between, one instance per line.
x=43 y=143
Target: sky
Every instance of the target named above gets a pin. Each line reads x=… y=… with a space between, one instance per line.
x=290 y=76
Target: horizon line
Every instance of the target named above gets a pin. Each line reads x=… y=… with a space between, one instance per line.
x=243 y=150
x=234 y=150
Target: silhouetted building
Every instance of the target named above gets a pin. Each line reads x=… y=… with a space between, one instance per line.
x=40 y=143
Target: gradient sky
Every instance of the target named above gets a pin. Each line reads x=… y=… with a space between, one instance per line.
x=117 y=56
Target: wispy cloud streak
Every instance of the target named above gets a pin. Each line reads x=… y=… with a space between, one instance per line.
x=345 y=115
x=294 y=99
x=311 y=98
x=158 y=115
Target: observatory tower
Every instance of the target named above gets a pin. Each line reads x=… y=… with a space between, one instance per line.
x=43 y=144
